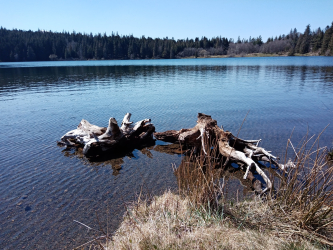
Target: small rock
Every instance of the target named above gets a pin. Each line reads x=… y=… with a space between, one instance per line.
x=116 y=167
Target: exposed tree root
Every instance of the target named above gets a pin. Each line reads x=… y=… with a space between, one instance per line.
x=246 y=153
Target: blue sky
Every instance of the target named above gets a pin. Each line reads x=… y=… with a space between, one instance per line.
x=178 y=19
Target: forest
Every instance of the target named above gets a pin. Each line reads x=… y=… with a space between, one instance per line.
x=41 y=45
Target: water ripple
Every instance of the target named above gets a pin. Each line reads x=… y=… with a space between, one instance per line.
x=44 y=189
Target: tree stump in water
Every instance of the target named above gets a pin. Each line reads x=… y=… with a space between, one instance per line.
x=96 y=140
x=246 y=153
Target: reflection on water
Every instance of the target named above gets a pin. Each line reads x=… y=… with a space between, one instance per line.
x=114 y=158
x=68 y=78
x=43 y=191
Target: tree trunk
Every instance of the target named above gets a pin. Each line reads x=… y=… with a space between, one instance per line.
x=96 y=140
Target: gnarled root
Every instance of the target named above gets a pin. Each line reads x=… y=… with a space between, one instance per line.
x=246 y=153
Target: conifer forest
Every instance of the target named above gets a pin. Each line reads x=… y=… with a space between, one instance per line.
x=41 y=45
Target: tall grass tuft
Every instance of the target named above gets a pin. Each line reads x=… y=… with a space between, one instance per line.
x=305 y=194
x=302 y=203
x=198 y=177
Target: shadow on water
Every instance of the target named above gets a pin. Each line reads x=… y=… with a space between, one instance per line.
x=235 y=187
x=114 y=158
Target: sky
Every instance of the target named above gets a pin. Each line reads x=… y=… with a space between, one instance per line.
x=178 y=19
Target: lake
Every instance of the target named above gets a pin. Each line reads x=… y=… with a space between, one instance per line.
x=44 y=188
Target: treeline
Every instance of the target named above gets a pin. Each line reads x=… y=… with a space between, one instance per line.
x=19 y=45
x=318 y=41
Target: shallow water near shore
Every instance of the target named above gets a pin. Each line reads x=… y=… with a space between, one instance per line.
x=44 y=189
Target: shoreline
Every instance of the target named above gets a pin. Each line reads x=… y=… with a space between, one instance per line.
x=189 y=57
x=199 y=217
x=254 y=55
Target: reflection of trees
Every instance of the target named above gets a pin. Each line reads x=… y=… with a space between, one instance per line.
x=22 y=79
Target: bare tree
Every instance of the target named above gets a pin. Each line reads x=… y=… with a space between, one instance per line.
x=276 y=46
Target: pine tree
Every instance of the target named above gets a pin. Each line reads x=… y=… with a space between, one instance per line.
x=31 y=56
x=11 y=56
x=317 y=40
x=330 y=47
x=298 y=44
x=130 y=53
x=304 y=42
x=326 y=39
x=155 y=49
x=259 y=41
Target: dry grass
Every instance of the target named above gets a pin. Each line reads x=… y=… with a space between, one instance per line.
x=199 y=178
x=305 y=194
x=173 y=222
x=330 y=156
x=299 y=216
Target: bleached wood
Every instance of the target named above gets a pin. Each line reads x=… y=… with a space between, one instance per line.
x=94 y=138
x=227 y=144
x=126 y=124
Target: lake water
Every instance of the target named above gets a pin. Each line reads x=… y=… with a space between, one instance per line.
x=43 y=188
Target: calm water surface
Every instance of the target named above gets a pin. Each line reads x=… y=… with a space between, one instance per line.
x=43 y=188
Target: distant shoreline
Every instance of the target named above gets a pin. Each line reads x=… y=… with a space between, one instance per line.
x=19 y=45
x=252 y=55
x=190 y=57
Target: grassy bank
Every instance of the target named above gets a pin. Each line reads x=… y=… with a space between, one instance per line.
x=297 y=214
x=173 y=222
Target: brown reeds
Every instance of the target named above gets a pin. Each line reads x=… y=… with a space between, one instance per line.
x=330 y=156
x=305 y=193
x=301 y=203
x=198 y=177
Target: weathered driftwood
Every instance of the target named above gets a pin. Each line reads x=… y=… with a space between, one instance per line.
x=246 y=153
x=96 y=139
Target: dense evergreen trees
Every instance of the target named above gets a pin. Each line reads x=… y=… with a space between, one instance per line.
x=18 y=45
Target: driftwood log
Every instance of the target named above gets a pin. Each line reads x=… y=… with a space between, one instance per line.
x=96 y=140
x=246 y=153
